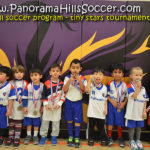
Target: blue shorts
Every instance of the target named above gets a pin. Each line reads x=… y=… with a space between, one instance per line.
x=32 y=121
x=3 y=117
x=114 y=117
x=133 y=124
x=73 y=111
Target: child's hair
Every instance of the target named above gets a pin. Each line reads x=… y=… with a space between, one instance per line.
x=136 y=68
x=6 y=70
x=117 y=66
x=75 y=61
x=35 y=70
x=98 y=69
x=55 y=65
x=18 y=68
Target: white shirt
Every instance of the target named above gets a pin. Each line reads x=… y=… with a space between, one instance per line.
x=34 y=100
x=135 y=107
x=19 y=86
x=74 y=92
x=97 y=99
x=117 y=92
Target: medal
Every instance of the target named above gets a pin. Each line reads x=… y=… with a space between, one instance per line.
x=35 y=113
x=19 y=107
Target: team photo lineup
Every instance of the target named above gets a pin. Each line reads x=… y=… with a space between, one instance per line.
x=36 y=104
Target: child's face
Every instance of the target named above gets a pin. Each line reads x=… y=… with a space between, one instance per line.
x=117 y=74
x=35 y=77
x=75 y=69
x=136 y=75
x=98 y=77
x=3 y=77
x=18 y=75
x=55 y=72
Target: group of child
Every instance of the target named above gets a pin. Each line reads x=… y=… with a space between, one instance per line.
x=36 y=104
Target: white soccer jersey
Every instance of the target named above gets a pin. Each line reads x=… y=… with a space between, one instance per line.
x=7 y=92
x=117 y=92
x=97 y=99
x=17 y=110
x=135 y=107
x=33 y=100
x=74 y=92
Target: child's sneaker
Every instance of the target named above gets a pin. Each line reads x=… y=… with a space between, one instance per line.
x=133 y=145
x=8 y=142
x=1 y=141
x=110 y=141
x=76 y=142
x=54 y=140
x=42 y=141
x=16 y=143
x=121 y=142
x=139 y=145
x=35 y=140
x=27 y=139
x=90 y=142
x=70 y=141
x=104 y=142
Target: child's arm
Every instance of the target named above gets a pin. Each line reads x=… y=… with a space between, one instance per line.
x=105 y=110
x=144 y=115
x=88 y=88
x=25 y=100
x=66 y=86
x=113 y=102
x=81 y=84
x=122 y=104
x=9 y=109
x=138 y=89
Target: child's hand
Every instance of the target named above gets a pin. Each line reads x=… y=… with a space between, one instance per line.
x=114 y=103
x=48 y=107
x=139 y=84
x=144 y=115
x=41 y=110
x=120 y=105
x=57 y=107
x=8 y=113
x=25 y=110
x=72 y=78
x=78 y=78
x=105 y=112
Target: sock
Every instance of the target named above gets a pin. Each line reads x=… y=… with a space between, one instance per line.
x=77 y=131
x=131 y=133
x=70 y=129
x=138 y=133
x=29 y=133
x=35 y=133
x=110 y=133
x=119 y=132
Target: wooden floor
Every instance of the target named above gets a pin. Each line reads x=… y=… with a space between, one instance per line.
x=62 y=146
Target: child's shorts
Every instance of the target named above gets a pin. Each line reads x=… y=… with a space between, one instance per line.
x=133 y=124
x=73 y=111
x=32 y=121
x=3 y=117
x=114 y=117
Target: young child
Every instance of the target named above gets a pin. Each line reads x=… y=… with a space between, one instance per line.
x=15 y=121
x=53 y=98
x=32 y=105
x=117 y=99
x=74 y=86
x=97 y=108
x=7 y=95
x=136 y=107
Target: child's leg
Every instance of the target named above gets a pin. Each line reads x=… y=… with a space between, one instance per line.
x=55 y=128
x=18 y=127
x=92 y=122
x=70 y=128
x=44 y=128
x=11 y=129
x=29 y=130
x=110 y=127
x=131 y=133
x=138 y=133
x=77 y=130
x=119 y=129
x=36 y=129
